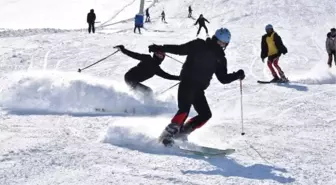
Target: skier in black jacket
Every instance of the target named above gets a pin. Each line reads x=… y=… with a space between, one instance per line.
x=201 y=21
x=272 y=47
x=146 y=69
x=204 y=58
x=91 y=18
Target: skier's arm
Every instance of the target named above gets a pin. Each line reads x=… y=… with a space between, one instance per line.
x=279 y=44
x=182 y=49
x=206 y=20
x=328 y=46
x=223 y=76
x=165 y=75
x=134 y=55
x=196 y=22
x=263 y=53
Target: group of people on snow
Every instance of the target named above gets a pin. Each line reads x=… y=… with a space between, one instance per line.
x=203 y=59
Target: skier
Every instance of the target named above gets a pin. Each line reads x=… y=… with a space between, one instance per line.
x=204 y=58
x=147 y=15
x=190 y=12
x=137 y=23
x=331 y=46
x=163 y=16
x=146 y=69
x=201 y=21
x=272 y=47
x=91 y=18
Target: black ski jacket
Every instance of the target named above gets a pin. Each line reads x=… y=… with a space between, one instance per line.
x=204 y=58
x=201 y=21
x=147 y=68
x=91 y=17
x=278 y=43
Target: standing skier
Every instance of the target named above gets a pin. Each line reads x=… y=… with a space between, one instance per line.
x=201 y=21
x=190 y=12
x=147 y=15
x=331 y=46
x=90 y=19
x=137 y=23
x=146 y=69
x=163 y=16
x=204 y=58
x=272 y=47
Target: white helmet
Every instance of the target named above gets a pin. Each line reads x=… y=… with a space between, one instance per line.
x=223 y=34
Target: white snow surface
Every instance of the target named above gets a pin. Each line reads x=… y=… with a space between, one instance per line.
x=50 y=133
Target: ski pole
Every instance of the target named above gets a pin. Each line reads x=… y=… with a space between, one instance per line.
x=80 y=70
x=241 y=107
x=169 y=88
x=174 y=59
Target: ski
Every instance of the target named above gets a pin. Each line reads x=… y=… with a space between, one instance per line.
x=207 y=151
x=269 y=82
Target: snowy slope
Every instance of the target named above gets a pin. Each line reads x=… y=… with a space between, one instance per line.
x=49 y=133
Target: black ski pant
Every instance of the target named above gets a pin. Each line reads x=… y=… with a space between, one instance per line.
x=147 y=18
x=137 y=86
x=189 y=94
x=163 y=19
x=200 y=27
x=330 y=58
x=91 y=28
x=135 y=27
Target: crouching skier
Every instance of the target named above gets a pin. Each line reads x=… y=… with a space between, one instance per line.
x=146 y=69
x=204 y=58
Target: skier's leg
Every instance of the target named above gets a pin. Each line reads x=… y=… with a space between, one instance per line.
x=276 y=65
x=139 y=29
x=206 y=29
x=204 y=114
x=199 y=29
x=270 y=66
x=93 y=28
x=134 y=29
x=89 y=29
x=185 y=98
x=334 y=53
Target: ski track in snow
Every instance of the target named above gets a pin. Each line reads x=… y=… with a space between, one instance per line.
x=49 y=133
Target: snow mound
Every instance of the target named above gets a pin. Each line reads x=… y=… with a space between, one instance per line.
x=70 y=92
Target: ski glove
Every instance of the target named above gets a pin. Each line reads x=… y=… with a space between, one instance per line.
x=120 y=47
x=154 y=48
x=240 y=74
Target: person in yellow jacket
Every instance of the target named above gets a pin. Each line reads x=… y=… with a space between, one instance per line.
x=272 y=47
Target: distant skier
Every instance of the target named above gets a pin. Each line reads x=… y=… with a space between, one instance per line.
x=204 y=58
x=163 y=17
x=331 y=46
x=201 y=21
x=91 y=18
x=146 y=69
x=190 y=11
x=138 y=23
x=147 y=15
x=272 y=47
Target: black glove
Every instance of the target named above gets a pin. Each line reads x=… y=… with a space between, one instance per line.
x=154 y=48
x=120 y=47
x=240 y=74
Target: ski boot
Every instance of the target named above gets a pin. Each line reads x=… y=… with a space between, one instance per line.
x=275 y=79
x=283 y=78
x=184 y=133
x=166 y=138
